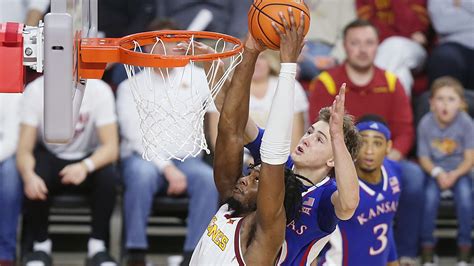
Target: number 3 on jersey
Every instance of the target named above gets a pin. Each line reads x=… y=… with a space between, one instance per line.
x=381 y=231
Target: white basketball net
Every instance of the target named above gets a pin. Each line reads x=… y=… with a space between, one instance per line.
x=171 y=104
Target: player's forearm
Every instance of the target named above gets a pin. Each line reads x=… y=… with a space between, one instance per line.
x=251 y=131
x=346 y=178
x=235 y=110
x=214 y=79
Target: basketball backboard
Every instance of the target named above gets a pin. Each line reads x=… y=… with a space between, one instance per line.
x=64 y=26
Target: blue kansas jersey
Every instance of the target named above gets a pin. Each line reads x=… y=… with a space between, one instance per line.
x=367 y=238
x=306 y=236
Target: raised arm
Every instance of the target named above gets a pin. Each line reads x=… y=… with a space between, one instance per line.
x=270 y=217
x=346 y=198
x=232 y=121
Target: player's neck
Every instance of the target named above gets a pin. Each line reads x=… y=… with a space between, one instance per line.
x=372 y=177
x=315 y=175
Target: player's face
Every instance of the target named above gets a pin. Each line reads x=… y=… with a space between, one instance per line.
x=361 y=46
x=245 y=190
x=373 y=150
x=314 y=149
x=262 y=68
x=445 y=104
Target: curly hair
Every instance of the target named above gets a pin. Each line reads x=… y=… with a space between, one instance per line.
x=293 y=199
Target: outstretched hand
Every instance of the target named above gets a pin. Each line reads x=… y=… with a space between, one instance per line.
x=336 y=121
x=292 y=38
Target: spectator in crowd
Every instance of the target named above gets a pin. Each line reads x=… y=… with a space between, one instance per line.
x=453 y=20
x=226 y=16
x=84 y=165
x=373 y=90
x=367 y=239
x=262 y=90
x=323 y=48
x=403 y=27
x=445 y=150
x=10 y=181
x=144 y=179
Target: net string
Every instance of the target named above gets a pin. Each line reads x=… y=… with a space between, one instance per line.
x=172 y=118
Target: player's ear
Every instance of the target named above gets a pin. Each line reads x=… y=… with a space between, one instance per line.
x=389 y=146
x=330 y=162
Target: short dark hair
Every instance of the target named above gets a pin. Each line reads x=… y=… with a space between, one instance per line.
x=293 y=199
x=352 y=138
x=358 y=23
x=374 y=118
x=161 y=24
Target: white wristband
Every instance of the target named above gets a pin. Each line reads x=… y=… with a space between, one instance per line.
x=436 y=171
x=89 y=165
x=276 y=140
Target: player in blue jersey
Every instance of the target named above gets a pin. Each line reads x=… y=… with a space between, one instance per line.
x=367 y=238
x=326 y=150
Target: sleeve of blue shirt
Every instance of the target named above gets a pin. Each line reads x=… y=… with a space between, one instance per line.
x=392 y=254
x=327 y=218
x=254 y=148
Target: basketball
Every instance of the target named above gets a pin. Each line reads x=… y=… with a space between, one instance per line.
x=263 y=12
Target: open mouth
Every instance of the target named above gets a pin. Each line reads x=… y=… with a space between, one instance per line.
x=299 y=150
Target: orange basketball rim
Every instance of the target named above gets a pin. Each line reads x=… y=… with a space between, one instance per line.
x=95 y=53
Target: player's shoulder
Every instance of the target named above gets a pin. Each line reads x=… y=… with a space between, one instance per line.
x=465 y=119
x=35 y=86
x=98 y=89
x=326 y=188
x=97 y=84
x=393 y=169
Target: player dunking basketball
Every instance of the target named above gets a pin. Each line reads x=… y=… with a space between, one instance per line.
x=325 y=151
x=250 y=227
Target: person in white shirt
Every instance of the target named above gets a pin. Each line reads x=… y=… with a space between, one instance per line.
x=144 y=179
x=84 y=165
x=10 y=181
